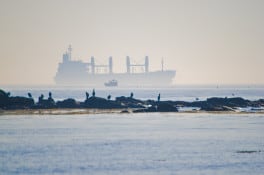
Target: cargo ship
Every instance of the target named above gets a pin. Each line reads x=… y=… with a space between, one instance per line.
x=75 y=73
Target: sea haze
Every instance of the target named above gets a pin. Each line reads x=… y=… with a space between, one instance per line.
x=167 y=143
x=185 y=93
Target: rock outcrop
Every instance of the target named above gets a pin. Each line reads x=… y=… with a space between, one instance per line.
x=101 y=103
x=211 y=104
x=159 y=107
x=7 y=102
x=68 y=103
x=130 y=102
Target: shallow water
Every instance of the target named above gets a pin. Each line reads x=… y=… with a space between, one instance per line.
x=168 y=143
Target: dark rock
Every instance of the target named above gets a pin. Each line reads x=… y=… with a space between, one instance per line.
x=124 y=111
x=159 y=107
x=257 y=103
x=237 y=102
x=230 y=102
x=215 y=108
x=211 y=104
x=227 y=108
x=248 y=151
x=222 y=104
x=149 y=109
x=166 y=107
x=181 y=104
x=198 y=104
x=7 y=102
x=20 y=103
x=3 y=99
x=141 y=110
x=68 y=103
x=101 y=103
x=45 y=103
x=130 y=102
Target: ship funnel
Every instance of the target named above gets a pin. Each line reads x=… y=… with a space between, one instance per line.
x=65 y=57
x=92 y=65
x=110 y=65
x=146 y=64
x=128 y=64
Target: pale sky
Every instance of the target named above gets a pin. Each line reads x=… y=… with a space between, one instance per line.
x=205 y=41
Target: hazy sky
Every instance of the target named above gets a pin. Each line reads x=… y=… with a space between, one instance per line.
x=205 y=41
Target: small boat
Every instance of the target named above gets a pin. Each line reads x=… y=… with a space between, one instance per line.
x=111 y=83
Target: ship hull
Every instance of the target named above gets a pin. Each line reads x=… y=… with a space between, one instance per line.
x=158 y=78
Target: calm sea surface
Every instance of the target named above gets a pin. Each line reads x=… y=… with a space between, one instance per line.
x=154 y=143
x=189 y=93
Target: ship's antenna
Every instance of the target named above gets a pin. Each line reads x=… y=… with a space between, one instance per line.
x=69 y=51
x=162 y=64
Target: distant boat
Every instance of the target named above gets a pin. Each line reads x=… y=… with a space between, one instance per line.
x=111 y=83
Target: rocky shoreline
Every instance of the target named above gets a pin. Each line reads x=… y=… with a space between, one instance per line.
x=17 y=104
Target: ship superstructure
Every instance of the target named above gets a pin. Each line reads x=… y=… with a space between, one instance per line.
x=71 y=72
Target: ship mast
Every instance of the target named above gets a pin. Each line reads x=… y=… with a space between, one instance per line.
x=162 y=64
x=69 y=51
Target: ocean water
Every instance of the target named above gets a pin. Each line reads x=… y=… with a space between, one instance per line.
x=153 y=143
x=185 y=93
